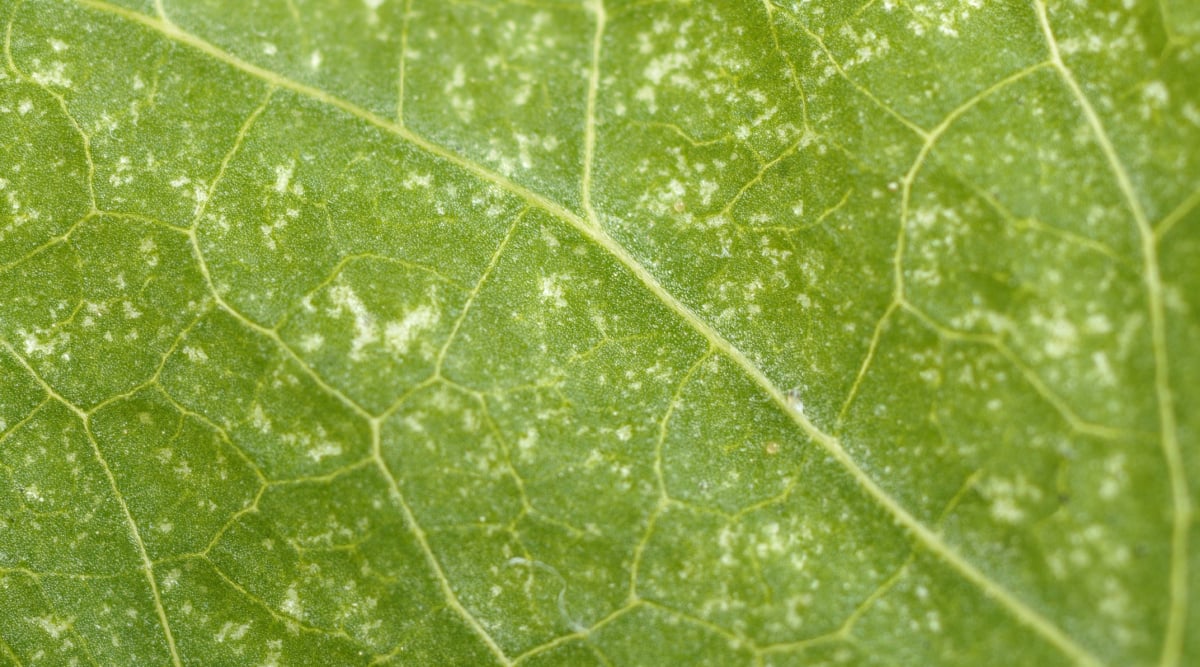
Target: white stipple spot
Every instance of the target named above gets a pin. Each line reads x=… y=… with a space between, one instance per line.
x=645 y=94
x=283 y=176
x=457 y=79
x=1103 y=368
x=199 y=195
x=773 y=541
x=552 y=291
x=521 y=97
x=793 y=400
x=270 y=49
x=324 y=449
x=1192 y=113
x=33 y=345
x=55 y=75
x=121 y=172
x=415 y=180
x=195 y=354
x=1007 y=497
x=231 y=630
x=1097 y=324
x=291 y=603
x=268 y=232
x=624 y=433
x=52 y=625
x=528 y=441
x=1113 y=482
x=58 y=45
x=373 y=4
x=274 y=649
x=1156 y=94
x=365 y=330
x=314 y=60
x=24 y=107
x=662 y=66
x=1061 y=334
x=1006 y=511
x=312 y=342
x=171 y=579
x=398 y=335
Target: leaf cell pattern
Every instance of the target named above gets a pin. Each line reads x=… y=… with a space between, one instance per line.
x=545 y=332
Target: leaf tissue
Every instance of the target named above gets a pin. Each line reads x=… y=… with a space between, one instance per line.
x=599 y=332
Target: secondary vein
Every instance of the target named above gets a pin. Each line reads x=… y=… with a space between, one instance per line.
x=1172 y=649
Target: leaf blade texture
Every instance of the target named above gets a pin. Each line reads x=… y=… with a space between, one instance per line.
x=400 y=332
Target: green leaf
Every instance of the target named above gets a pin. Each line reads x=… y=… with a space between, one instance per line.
x=604 y=332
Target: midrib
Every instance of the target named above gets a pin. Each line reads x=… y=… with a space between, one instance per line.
x=923 y=534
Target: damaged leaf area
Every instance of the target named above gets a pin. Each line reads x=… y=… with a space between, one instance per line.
x=544 y=332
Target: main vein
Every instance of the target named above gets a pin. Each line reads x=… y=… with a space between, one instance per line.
x=931 y=541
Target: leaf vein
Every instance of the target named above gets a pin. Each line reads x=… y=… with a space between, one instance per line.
x=930 y=539
x=147 y=566
x=1173 y=637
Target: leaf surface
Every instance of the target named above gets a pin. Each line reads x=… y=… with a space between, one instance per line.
x=612 y=333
